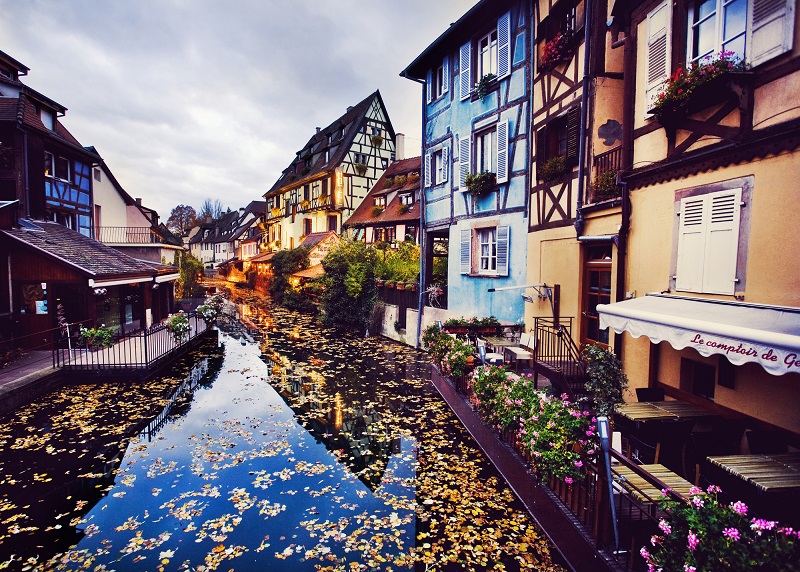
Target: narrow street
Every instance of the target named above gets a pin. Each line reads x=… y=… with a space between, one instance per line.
x=311 y=449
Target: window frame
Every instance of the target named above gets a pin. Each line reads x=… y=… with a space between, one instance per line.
x=470 y=63
x=472 y=251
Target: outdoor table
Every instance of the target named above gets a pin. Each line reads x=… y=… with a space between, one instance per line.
x=499 y=342
x=646 y=492
x=776 y=473
x=642 y=411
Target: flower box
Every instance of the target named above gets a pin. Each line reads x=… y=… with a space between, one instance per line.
x=557 y=51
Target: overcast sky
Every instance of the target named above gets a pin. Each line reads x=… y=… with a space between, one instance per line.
x=194 y=99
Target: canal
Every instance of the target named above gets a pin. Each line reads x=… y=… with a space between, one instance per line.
x=282 y=446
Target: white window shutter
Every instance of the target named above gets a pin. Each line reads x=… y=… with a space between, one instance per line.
x=465 y=77
x=464 y=145
x=445 y=74
x=427 y=170
x=502 y=151
x=445 y=163
x=691 y=239
x=504 y=45
x=466 y=251
x=722 y=241
x=502 y=250
x=770 y=29
x=429 y=86
x=658 y=51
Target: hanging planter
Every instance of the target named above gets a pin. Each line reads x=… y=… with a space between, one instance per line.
x=377 y=140
x=557 y=51
x=480 y=184
x=360 y=168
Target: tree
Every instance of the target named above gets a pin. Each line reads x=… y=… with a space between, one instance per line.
x=284 y=264
x=350 y=292
x=191 y=269
x=181 y=219
x=211 y=209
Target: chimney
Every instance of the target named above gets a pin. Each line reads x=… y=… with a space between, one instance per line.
x=319 y=129
x=138 y=201
x=349 y=108
x=400 y=147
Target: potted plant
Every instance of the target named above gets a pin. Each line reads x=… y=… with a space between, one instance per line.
x=390 y=283
x=400 y=285
x=274 y=212
x=360 y=168
x=706 y=534
x=304 y=204
x=606 y=381
x=380 y=282
x=376 y=140
x=553 y=169
x=557 y=51
x=324 y=199
x=695 y=87
x=403 y=209
x=480 y=183
x=455 y=360
x=178 y=325
x=483 y=84
x=388 y=182
x=96 y=337
x=377 y=210
x=605 y=186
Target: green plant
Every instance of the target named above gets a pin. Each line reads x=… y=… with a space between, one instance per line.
x=678 y=90
x=462 y=321
x=349 y=292
x=553 y=168
x=455 y=361
x=557 y=51
x=305 y=170
x=178 y=325
x=388 y=182
x=705 y=535
x=397 y=326
x=360 y=168
x=502 y=397
x=376 y=140
x=377 y=210
x=304 y=204
x=480 y=183
x=403 y=209
x=606 y=381
x=212 y=309
x=560 y=436
x=437 y=343
x=605 y=186
x=482 y=86
x=413 y=177
x=99 y=337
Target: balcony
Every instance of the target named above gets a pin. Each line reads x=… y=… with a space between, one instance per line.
x=128 y=235
x=604 y=174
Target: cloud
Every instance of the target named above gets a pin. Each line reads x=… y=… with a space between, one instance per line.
x=190 y=99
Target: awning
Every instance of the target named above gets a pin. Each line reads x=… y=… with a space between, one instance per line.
x=767 y=335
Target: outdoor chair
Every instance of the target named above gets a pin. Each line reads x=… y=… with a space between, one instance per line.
x=491 y=358
x=649 y=394
x=524 y=351
x=724 y=439
x=765 y=442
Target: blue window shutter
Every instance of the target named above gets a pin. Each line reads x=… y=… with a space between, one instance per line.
x=465 y=78
x=445 y=74
x=464 y=145
x=427 y=170
x=502 y=151
x=466 y=251
x=445 y=163
x=429 y=86
x=504 y=45
x=502 y=250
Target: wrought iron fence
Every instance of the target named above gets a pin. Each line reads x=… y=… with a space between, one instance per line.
x=140 y=351
x=557 y=353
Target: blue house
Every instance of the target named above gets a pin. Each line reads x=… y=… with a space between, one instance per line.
x=475 y=149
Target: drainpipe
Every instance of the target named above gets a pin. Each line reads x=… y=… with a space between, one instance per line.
x=423 y=243
x=587 y=40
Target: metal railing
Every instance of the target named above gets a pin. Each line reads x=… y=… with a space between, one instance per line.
x=141 y=351
x=128 y=235
x=609 y=161
x=557 y=355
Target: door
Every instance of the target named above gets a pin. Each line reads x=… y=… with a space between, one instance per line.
x=596 y=290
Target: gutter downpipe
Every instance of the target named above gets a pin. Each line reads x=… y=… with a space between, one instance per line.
x=423 y=255
x=587 y=40
x=627 y=161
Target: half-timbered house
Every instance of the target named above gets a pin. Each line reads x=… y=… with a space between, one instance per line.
x=330 y=176
x=714 y=127
x=476 y=119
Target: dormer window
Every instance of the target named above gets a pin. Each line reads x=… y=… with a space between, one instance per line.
x=48 y=119
x=380 y=202
x=407 y=199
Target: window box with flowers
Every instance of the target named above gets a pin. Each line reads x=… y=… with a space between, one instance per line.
x=702 y=85
x=377 y=210
x=376 y=140
x=304 y=204
x=557 y=51
x=484 y=86
x=275 y=212
x=553 y=169
x=604 y=187
x=481 y=183
x=360 y=168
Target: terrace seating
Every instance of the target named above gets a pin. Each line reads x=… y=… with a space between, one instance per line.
x=649 y=394
x=524 y=351
x=492 y=358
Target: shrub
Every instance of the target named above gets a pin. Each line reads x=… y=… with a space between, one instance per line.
x=377 y=210
x=349 y=284
x=388 y=182
x=553 y=168
x=99 y=337
x=606 y=381
x=456 y=360
x=605 y=186
x=706 y=535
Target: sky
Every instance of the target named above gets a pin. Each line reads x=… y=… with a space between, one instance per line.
x=193 y=99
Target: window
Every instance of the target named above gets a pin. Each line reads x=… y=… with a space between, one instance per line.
x=380 y=202
x=407 y=199
x=333 y=223
x=559 y=138
x=490 y=150
x=439 y=167
x=306 y=226
x=698 y=378
x=438 y=80
x=484 y=251
x=716 y=25
x=492 y=54
x=97 y=174
x=708 y=231
x=361 y=158
x=384 y=163
x=596 y=290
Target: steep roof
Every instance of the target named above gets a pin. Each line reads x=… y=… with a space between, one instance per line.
x=391 y=214
x=88 y=256
x=338 y=136
x=315 y=238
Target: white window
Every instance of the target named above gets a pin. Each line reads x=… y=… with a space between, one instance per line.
x=438 y=80
x=407 y=199
x=490 y=151
x=708 y=242
x=380 y=202
x=437 y=166
x=492 y=56
x=484 y=251
x=715 y=26
x=486 y=152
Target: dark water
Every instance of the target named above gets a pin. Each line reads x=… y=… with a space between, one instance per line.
x=305 y=449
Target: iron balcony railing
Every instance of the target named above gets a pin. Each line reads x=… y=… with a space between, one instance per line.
x=128 y=235
x=558 y=356
x=608 y=162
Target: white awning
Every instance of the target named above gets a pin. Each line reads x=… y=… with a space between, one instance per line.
x=767 y=335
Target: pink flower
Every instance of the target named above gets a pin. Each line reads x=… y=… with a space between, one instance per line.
x=713 y=489
x=664 y=492
x=695 y=491
x=664 y=526
x=698 y=502
x=692 y=540
x=645 y=554
x=568 y=480
x=759 y=524
x=578 y=463
x=687 y=568
x=739 y=507
x=731 y=533
x=655 y=540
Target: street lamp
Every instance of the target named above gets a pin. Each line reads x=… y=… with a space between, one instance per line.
x=603 y=431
